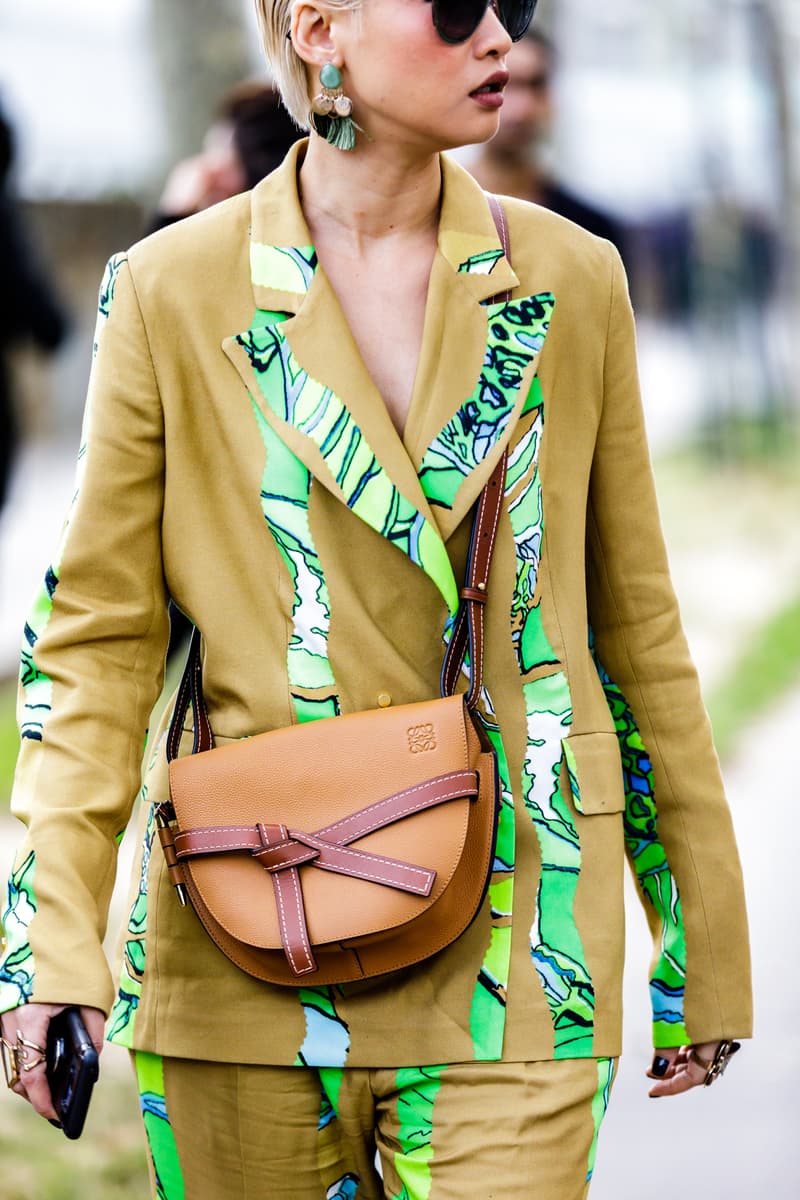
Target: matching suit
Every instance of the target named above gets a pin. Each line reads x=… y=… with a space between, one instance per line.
x=237 y=458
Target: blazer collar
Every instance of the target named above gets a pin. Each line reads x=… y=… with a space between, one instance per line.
x=299 y=342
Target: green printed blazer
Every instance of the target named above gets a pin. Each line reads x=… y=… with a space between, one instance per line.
x=237 y=457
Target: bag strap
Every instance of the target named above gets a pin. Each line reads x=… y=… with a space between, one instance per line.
x=468 y=630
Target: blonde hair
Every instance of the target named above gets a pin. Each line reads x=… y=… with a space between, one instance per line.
x=289 y=70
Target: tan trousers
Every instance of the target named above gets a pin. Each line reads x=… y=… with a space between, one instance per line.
x=475 y=1131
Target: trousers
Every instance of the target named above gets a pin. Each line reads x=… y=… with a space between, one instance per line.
x=474 y=1131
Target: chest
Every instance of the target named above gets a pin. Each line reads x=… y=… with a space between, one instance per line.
x=384 y=306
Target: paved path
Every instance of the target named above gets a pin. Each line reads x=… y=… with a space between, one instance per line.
x=734 y=1140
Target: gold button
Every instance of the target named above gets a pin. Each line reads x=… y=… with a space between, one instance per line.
x=384 y=700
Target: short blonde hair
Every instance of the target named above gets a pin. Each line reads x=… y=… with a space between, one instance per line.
x=289 y=70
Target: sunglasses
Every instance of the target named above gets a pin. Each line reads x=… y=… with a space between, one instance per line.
x=455 y=21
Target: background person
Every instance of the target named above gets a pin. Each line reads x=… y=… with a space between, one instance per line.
x=29 y=309
x=249 y=138
x=296 y=400
x=513 y=162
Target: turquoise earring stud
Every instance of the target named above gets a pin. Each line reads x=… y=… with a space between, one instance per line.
x=331 y=110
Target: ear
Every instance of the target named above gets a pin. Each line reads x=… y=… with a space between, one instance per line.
x=312 y=36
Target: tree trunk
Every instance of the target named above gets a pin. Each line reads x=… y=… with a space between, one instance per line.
x=201 y=48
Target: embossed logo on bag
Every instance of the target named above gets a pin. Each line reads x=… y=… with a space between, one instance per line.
x=421 y=738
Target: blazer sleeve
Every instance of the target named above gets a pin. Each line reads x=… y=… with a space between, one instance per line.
x=92 y=667
x=678 y=827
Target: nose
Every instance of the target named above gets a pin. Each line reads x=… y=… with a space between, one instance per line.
x=499 y=33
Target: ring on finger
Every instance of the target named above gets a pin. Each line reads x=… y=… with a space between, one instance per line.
x=20 y=1056
x=714 y=1067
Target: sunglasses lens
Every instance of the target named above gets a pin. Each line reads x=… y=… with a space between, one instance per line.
x=516 y=16
x=457 y=20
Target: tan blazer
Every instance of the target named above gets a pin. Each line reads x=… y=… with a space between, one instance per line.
x=238 y=458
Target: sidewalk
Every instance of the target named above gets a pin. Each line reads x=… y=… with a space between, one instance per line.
x=734 y=1140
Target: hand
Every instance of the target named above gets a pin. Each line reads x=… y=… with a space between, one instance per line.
x=682 y=1071
x=32 y=1021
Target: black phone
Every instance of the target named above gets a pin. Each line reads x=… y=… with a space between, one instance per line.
x=72 y=1069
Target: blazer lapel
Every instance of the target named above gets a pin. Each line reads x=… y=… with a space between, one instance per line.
x=302 y=368
x=479 y=358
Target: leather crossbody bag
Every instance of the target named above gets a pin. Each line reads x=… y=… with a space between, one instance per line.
x=351 y=846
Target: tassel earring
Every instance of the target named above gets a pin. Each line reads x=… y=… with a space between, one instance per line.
x=331 y=111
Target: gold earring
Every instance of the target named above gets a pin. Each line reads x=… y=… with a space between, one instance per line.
x=331 y=111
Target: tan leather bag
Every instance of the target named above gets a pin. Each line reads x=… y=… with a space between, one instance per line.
x=318 y=875
x=347 y=847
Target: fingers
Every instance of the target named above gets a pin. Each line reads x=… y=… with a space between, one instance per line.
x=663 y=1063
x=36 y=1090
x=29 y=1024
x=95 y=1021
x=677 y=1069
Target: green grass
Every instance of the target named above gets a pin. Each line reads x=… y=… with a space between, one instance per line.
x=9 y=739
x=107 y=1163
x=767 y=669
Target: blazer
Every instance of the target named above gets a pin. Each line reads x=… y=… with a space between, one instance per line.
x=237 y=457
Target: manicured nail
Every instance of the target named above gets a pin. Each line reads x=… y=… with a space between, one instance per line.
x=660 y=1065
x=55 y=1124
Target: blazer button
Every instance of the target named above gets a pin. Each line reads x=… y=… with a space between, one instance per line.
x=384 y=700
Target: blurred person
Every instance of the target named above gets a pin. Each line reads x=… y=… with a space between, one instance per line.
x=513 y=162
x=29 y=310
x=298 y=398
x=249 y=138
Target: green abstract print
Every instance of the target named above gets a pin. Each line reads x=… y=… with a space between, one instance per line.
x=487 y=1010
x=282 y=268
x=160 y=1138
x=657 y=883
x=123 y=1014
x=317 y=413
x=37 y=687
x=417 y=1088
x=327 y=1040
x=555 y=943
x=480 y=264
x=556 y=948
x=285 y=494
x=600 y=1101
x=16 y=971
x=516 y=333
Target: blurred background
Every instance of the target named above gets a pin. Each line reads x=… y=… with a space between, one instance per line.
x=680 y=125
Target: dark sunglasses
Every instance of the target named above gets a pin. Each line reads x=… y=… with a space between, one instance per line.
x=455 y=21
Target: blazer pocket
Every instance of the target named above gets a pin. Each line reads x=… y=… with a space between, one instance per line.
x=594 y=769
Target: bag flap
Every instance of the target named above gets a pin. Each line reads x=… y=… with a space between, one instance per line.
x=308 y=776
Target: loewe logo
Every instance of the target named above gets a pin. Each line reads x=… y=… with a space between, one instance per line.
x=421 y=738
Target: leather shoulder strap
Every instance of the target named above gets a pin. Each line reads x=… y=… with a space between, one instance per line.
x=468 y=630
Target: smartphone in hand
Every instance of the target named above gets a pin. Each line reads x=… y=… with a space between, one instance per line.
x=72 y=1069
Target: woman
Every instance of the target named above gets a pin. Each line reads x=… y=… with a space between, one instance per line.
x=360 y=277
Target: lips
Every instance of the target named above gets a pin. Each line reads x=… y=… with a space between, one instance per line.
x=493 y=85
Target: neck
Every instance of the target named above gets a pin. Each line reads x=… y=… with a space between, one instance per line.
x=368 y=193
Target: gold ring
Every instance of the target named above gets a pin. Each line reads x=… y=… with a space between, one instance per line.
x=715 y=1066
x=16 y=1058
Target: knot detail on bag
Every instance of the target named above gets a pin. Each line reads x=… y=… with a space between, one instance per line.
x=281 y=851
